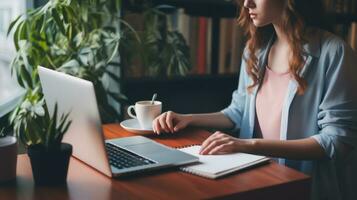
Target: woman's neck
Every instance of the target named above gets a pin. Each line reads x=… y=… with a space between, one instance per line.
x=280 y=52
x=281 y=36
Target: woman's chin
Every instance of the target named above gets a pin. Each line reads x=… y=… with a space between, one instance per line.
x=259 y=24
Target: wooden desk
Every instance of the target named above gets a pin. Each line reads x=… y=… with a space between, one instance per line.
x=271 y=181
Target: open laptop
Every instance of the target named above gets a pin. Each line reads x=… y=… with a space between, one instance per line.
x=113 y=157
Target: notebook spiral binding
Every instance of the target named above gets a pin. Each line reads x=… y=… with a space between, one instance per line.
x=185 y=146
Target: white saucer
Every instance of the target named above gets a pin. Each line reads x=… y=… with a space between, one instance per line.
x=132 y=125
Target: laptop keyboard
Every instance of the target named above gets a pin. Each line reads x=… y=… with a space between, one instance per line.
x=121 y=158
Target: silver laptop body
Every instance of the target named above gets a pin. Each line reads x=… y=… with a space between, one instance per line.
x=77 y=96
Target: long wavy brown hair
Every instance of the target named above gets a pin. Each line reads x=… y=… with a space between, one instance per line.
x=296 y=17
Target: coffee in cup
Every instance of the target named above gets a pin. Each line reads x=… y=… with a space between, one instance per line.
x=146 y=112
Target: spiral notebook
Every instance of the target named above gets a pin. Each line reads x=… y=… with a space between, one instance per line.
x=214 y=166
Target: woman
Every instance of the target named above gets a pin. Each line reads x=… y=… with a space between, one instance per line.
x=296 y=99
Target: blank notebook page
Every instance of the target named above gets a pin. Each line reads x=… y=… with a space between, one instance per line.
x=216 y=164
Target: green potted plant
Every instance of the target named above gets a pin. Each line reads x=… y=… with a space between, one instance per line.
x=80 y=38
x=8 y=157
x=42 y=134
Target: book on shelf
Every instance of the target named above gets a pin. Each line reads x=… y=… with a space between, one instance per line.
x=225 y=43
x=215 y=166
x=193 y=40
x=202 y=45
x=209 y=46
x=352 y=35
x=183 y=24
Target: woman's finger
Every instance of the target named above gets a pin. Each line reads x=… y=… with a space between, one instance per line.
x=209 y=140
x=154 y=128
x=217 y=142
x=162 y=121
x=208 y=147
x=221 y=149
x=157 y=125
x=169 y=121
x=180 y=125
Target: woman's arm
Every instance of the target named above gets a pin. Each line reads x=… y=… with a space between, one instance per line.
x=173 y=122
x=304 y=149
x=301 y=149
x=211 y=120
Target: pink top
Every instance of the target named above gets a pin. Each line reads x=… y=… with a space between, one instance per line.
x=269 y=103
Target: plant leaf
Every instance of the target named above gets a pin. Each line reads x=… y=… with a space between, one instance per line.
x=12 y=24
x=25 y=75
x=57 y=18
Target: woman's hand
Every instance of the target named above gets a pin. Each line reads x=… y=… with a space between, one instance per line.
x=221 y=143
x=170 y=122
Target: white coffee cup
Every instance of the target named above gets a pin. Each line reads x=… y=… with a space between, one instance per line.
x=145 y=112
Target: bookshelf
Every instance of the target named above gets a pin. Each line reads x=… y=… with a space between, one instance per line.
x=194 y=93
x=189 y=93
x=212 y=10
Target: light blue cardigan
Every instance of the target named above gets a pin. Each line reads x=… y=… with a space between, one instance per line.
x=327 y=112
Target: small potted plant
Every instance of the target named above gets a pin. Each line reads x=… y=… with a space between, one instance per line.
x=42 y=134
x=8 y=157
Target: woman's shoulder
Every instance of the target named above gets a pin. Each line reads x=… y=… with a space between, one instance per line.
x=330 y=49
x=327 y=41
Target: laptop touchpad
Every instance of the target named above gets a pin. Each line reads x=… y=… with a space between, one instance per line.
x=146 y=148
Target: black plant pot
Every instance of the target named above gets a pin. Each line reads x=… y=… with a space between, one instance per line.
x=50 y=167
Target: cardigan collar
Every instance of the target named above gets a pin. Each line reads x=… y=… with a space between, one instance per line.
x=311 y=49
